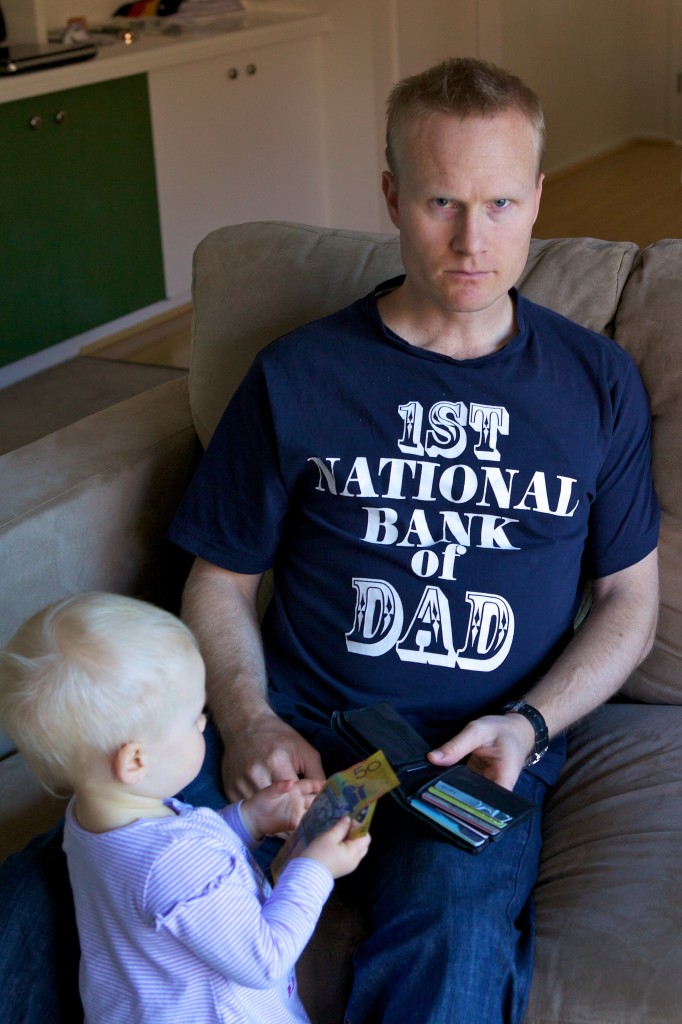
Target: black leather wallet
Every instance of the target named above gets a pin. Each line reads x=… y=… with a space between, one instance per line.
x=463 y=807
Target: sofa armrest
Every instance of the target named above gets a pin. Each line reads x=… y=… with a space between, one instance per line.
x=25 y=807
x=87 y=507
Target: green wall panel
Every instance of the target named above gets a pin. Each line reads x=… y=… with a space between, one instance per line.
x=80 y=240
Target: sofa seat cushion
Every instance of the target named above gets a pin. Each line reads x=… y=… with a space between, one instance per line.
x=609 y=917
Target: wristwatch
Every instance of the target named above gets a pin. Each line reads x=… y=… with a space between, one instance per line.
x=519 y=707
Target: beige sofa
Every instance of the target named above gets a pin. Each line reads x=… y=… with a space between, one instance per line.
x=87 y=507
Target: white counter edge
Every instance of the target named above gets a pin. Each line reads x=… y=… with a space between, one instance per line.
x=147 y=55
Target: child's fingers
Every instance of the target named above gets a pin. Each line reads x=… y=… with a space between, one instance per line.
x=340 y=829
x=280 y=787
x=310 y=786
x=360 y=843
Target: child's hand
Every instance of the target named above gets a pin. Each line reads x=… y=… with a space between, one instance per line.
x=279 y=807
x=336 y=851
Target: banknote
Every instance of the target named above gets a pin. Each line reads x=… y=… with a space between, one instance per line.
x=353 y=792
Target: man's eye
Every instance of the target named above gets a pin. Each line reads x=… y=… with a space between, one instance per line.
x=442 y=203
x=500 y=204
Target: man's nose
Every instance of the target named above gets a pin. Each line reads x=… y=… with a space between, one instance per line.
x=469 y=234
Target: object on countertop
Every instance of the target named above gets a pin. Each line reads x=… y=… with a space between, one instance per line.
x=188 y=8
x=23 y=57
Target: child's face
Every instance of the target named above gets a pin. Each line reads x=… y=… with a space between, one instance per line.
x=175 y=757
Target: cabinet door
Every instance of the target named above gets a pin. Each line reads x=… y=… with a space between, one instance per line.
x=237 y=138
x=81 y=241
x=31 y=313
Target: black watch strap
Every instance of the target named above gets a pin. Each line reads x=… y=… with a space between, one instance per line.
x=520 y=707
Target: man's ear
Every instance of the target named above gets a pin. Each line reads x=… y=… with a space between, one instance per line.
x=130 y=764
x=538 y=194
x=389 y=187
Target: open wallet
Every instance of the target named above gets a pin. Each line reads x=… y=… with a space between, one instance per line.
x=463 y=807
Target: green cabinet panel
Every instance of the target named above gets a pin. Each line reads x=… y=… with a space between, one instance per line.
x=79 y=225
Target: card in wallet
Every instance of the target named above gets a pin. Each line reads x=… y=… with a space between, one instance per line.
x=463 y=807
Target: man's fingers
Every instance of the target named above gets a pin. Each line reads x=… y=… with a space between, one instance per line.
x=453 y=750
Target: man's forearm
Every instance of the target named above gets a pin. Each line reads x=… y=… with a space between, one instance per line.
x=220 y=608
x=612 y=641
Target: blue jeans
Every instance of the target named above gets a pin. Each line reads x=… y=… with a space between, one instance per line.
x=39 y=949
x=451 y=934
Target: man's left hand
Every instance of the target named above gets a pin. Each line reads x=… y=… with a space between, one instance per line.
x=497 y=746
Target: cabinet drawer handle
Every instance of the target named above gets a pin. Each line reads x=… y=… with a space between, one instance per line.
x=36 y=123
x=61 y=117
x=251 y=69
x=233 y=73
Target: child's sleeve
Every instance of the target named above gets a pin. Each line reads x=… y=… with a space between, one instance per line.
x=232 y=815
x=211 y=902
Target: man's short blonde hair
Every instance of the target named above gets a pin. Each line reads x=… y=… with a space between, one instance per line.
x=86 y=675
x=464 y=87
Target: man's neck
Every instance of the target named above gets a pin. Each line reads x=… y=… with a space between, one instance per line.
x=460 y=335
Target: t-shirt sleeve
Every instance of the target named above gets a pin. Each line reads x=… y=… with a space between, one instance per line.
x=625 y=514
x=233 y=512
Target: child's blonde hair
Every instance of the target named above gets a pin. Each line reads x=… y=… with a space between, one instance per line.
x=87 y=675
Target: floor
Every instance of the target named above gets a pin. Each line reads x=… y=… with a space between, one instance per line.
x=634 y=194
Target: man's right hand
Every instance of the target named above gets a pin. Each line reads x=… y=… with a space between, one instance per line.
x=267 y=750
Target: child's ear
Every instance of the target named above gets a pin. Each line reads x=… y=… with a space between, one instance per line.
x=129 y=764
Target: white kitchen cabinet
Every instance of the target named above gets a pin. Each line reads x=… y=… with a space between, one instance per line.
x=237 y=137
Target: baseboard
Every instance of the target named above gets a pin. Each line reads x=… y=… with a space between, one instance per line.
x=63 y=350
x=162 y=339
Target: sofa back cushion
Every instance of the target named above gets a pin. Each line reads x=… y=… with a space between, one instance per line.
x=649 y=326
x=253 y=282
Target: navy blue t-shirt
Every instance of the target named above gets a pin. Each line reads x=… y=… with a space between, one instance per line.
x=431 y=521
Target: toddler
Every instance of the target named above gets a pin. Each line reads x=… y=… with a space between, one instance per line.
x=104 y=696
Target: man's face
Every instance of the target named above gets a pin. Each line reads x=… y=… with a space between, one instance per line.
x=465 y=203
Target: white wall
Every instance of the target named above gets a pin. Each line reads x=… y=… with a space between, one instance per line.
x=430 y=31
x=29 y=20
x=58 y=12
x=600 y=67
x=656 y=58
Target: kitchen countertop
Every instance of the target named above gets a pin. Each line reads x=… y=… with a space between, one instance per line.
x=222 y=35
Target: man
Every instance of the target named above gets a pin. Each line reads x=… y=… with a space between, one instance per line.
x=434 y=473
